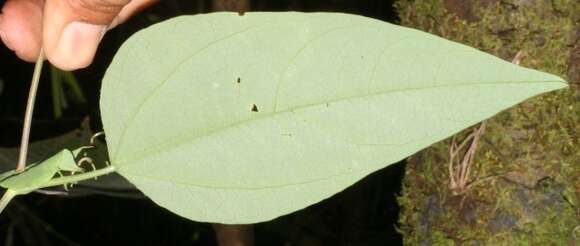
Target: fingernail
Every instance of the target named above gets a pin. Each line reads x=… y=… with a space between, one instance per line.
x=78 y=44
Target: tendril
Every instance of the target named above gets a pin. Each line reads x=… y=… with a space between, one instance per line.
x=95 y=136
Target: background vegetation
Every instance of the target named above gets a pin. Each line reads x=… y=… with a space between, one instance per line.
x=526 y=172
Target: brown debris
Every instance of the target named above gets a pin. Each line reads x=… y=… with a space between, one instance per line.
x=574 y=65
x=528 y=179
x=461 y=9
x=464 y=8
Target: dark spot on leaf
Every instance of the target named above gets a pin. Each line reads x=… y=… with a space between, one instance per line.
x=241 y=13
x=239 y=80
x=254 y=108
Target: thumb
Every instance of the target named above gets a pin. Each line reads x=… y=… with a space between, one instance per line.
x=73 y=29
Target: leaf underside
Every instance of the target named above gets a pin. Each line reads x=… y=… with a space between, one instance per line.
x=241 y=119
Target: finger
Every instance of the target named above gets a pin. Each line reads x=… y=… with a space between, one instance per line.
x=73 y=29
x=21 y=27
x=131 y=9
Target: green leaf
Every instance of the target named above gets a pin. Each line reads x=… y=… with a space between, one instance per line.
x=112 y=184
x=38 y=173
x=7 y=174
x=241 y=119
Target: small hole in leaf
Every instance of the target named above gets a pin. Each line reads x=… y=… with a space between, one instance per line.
x=254 y=108
x=241 y=13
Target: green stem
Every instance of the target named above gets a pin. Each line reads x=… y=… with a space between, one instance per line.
x=6 y=198
x=56 y=92
x=70 y=79
x=29 y=110
x=77 y=178
x=9 y=194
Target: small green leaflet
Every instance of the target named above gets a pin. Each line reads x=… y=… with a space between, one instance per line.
x=39 y=173
x=326 y=99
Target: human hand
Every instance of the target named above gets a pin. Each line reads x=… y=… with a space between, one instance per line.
x=69 y=31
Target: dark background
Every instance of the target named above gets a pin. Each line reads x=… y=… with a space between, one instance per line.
x=364 y=214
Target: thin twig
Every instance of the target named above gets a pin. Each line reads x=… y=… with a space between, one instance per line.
x=29 y=111
x=460 y=162
x=518 y=57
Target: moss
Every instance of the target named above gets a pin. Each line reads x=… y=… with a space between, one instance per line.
x=527 y=168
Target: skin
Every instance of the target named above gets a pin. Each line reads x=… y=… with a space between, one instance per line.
x=68 y=30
